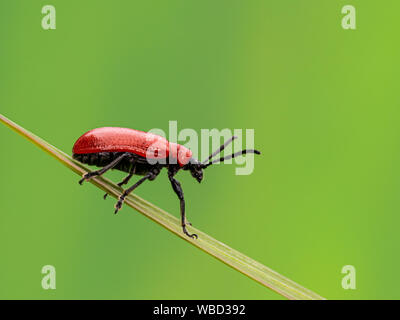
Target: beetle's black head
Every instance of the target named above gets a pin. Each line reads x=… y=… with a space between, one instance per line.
x=197 y=173
x=196 y=169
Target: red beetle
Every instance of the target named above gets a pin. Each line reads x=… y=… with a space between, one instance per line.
x=142 y=153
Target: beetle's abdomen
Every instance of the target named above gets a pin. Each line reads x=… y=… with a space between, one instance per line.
x=144 y=144
x=101 y=159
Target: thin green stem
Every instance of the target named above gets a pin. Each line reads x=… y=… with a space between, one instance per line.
x=213 y=247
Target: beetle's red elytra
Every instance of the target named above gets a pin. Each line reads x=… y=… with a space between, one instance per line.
x=143 y=144
x=130 y=151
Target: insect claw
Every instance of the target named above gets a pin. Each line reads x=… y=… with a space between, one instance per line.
x=105 y=196
x=193 y=235
x=85 y=176
x=118 y=205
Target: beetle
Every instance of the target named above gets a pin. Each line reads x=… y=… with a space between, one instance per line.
x=145 y=154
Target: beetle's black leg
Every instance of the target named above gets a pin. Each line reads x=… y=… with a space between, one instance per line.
x=111 y=165
x=149 y=176
x=179 y=192
x=125 y=181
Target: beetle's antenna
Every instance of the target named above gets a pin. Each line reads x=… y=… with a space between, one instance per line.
x=231 y=156
x=219 y=150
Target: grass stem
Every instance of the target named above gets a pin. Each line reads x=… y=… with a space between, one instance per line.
x=213 y=247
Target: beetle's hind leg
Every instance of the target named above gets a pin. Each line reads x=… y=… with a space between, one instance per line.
x=103 y=170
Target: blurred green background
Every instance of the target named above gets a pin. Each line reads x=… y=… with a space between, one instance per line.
x=324 y=104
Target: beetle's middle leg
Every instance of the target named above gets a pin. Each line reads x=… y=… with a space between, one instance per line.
x=103 y=170
x=126 y=180
x=151 y=175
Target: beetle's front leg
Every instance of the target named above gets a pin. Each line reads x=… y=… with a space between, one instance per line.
x=179 y=192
